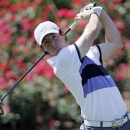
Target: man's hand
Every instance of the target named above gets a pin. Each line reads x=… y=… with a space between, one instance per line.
x=84 y=15
x=93 y=6
x=97 y=10
x=89 y=6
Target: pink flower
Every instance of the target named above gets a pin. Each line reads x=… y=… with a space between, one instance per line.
x=127 y=44
x=16 y=60
x=22 y=40
x=10 y=75
x=118 y=1
x=13 y=7
x=49 y=7
x=124 y=67
x=119 y=53
x=80 y=27
x=5 y=39
x=52 y=122
x=18 y=6
x=1 y=54
x=29 y=76
x=38 y=1
x=31 y=40
x=111 y=7
x=119 y=25
x=42 y=69
x=82 y=24
x=19 y=62
x=66 y=90
x=21 y=65
x=39 y=68
x=5 y=28
x=12 y=17
x=119 y=76
x=26 y=50
x=26 y=24
x=4 y=3
x=4 y=66
x=77 y=3
x=2 y=83
x=44 y=16
x=6 y=109
x=66 y=13
x=16 y=50
x=48 y=72
x=103 y=1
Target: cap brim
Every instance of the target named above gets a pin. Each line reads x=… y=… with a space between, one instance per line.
x=48 y=32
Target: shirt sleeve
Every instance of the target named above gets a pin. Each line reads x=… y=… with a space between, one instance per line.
x=94 y=52
x=67 y=60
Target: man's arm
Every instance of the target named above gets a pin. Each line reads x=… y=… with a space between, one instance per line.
x=112 y=37
x=90 y=32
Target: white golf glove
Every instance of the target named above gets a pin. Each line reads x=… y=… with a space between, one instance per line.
x=94 y=7
x=90 y=6
x=97 y=10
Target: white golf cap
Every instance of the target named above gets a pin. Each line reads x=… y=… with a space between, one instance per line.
x=43 y=29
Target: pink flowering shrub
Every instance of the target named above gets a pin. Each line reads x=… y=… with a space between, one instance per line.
x=40 y=96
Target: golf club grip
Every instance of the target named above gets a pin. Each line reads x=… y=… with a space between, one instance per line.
x=76 y=22
x=23 y=76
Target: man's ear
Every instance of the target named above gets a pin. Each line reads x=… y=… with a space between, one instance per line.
x=42 y=49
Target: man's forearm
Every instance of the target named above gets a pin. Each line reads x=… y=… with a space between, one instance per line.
x=90 y=32
x=112 y=34
x=93 y=26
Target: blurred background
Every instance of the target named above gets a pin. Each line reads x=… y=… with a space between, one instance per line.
x=41 y=101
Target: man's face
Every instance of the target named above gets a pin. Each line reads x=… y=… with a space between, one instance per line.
x=53 y=43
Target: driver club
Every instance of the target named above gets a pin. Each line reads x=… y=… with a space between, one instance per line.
x=69 y=29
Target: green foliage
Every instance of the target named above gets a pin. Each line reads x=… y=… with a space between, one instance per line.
x=62 y=4
x=41 y=101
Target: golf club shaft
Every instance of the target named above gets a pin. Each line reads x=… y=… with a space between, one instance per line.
x=70 y=28
x=23 y=77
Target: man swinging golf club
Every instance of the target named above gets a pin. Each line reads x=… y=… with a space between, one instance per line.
x=79 y=67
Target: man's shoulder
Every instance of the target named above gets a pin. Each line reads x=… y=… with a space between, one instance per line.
x=93 y=53
x=64 y=56
x=92 y=50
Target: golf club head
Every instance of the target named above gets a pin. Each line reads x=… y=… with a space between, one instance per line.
x=1 y=109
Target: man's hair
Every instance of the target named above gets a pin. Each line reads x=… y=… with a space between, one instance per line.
x=60 y=32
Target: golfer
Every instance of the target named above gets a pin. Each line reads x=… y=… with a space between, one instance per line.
x=79 y=67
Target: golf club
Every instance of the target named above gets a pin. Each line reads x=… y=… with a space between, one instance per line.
x=1 y=109
x=70 y=28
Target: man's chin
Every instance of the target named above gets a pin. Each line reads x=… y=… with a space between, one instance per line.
x=56 y=52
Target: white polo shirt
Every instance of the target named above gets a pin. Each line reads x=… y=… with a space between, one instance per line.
x=91 y=85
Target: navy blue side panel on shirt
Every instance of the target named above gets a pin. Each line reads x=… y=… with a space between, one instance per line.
x=100 y=58
x=94 y=77
x=77 y=49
